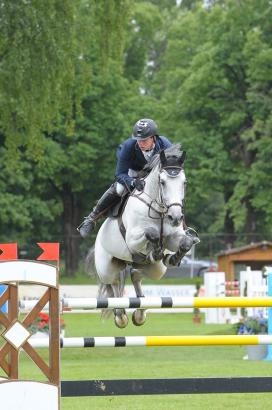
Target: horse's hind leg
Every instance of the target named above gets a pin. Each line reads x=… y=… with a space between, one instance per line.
x=111 y=274
x=139 y=315
x=120 y=316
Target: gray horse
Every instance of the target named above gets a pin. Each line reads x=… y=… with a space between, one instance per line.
x=150 y=235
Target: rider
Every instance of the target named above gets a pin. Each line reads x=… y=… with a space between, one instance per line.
x=133 y=154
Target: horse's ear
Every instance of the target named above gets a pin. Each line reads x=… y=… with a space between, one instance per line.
x=182 y=158
x=163 y=158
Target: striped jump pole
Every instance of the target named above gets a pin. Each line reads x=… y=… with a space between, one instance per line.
x=123 y=341
x=165 y=302
x=25 y=305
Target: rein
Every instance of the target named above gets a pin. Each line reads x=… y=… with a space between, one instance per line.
x=159 y=206
x=175 y=171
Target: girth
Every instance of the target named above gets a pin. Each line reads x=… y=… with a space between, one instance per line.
x=136 y=257
x=122 y=227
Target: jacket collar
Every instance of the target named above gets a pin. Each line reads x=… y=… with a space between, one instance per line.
x=156 y=148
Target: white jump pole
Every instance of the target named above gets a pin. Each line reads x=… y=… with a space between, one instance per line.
x=123 y=341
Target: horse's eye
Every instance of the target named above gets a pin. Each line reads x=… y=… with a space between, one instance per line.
x=162 y=182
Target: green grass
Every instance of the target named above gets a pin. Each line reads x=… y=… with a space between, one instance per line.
x=154 y=362
x=81 y=278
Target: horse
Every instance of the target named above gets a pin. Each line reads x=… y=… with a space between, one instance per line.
x=149 y=236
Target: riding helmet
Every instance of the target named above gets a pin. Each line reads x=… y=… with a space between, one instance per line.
x=144 y=128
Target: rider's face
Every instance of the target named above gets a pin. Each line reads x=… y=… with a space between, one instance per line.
x=147 y=144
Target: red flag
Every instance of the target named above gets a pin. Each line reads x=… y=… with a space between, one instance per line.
x=50 y=252
x=9 y=251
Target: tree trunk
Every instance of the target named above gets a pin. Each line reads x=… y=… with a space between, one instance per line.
x=251 y=223
x=229 y=231
x=251 y=216
x=71 y=237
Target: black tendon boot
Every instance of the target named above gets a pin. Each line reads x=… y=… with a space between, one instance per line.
x=190 y=232
x=109 y=199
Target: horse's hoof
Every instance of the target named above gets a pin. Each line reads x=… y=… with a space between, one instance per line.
x=186 y=243
x=121 y=322
x=138 y=317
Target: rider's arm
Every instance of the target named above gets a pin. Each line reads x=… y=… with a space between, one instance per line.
x=123 y=165
x=165 y=142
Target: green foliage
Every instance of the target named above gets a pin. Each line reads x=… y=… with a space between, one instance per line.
x=24 y=208
x=251 y=326
x=141 y=31
x=111 y=16
x=69 y=123
x=38 y=52
x=75 y=77
x=43 y=71
x=215 y=80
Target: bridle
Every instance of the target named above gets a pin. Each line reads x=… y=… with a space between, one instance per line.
x=173 y=172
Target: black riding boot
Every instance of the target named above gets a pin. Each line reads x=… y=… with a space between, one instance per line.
x=109 y=199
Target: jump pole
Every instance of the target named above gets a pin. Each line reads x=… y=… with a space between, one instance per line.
x=201 y=385
x=165 y=302
x=150 y=341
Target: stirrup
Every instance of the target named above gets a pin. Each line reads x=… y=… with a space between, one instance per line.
x=82 y=223
x=86 y=226
x=191 y=232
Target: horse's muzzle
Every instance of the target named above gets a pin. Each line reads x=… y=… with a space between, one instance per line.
x=175 y=220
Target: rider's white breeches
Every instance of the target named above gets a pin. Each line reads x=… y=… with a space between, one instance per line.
x=120 y=189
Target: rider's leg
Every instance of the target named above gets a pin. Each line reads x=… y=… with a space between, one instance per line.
x=110 y=198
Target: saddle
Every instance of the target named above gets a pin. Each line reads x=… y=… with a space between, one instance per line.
x=118 y=209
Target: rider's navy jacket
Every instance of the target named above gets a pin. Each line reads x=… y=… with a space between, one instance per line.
x=130 y=156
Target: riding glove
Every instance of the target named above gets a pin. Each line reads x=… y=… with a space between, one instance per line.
x=139 y=184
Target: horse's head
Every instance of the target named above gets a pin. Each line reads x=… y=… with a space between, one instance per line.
x=172 y=183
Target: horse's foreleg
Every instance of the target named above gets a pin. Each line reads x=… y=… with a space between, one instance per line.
x=185 y=245
x=139 y=315
x=156 y=251
x=144 y=245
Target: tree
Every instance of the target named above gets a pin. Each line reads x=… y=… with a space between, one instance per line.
x=60 y=55
x=38 y=53
x=42 y=52
x=27 y=215
x=208 y=83
x=83 y=164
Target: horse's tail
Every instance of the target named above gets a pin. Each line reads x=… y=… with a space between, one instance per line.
x=90 y=263
x=104 y=290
